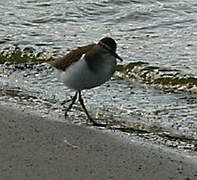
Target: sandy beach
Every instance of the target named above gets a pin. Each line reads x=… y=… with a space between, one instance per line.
x=33 y=147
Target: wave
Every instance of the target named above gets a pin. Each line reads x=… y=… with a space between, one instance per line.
x=16 y=54
x=162 y=77
x=158 y=76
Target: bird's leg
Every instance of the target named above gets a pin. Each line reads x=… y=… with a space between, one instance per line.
x=85 y=110
x=83 y=106
x=71 y=104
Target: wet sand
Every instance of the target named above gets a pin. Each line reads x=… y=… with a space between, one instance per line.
x=33 y=147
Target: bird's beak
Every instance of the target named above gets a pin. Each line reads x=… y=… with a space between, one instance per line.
x=118 y=57
x=110 y=50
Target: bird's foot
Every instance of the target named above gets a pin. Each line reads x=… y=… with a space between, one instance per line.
x=95 y=123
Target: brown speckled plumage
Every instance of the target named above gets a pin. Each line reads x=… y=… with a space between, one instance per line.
x=73 y=56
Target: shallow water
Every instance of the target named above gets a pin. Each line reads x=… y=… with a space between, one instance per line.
x=153 y=93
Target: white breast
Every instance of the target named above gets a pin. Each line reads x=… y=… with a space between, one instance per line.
x=78 y=76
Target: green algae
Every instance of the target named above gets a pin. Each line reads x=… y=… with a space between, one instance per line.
x=17 y=55
x=176 y=81
x=130 y=66
x=157 y=76
x=17 y=58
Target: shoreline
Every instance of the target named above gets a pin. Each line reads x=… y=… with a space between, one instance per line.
x=33 y=147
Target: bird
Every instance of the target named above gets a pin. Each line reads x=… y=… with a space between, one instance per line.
x=87 y=67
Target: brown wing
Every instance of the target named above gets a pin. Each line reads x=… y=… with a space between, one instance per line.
x=71 y=57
